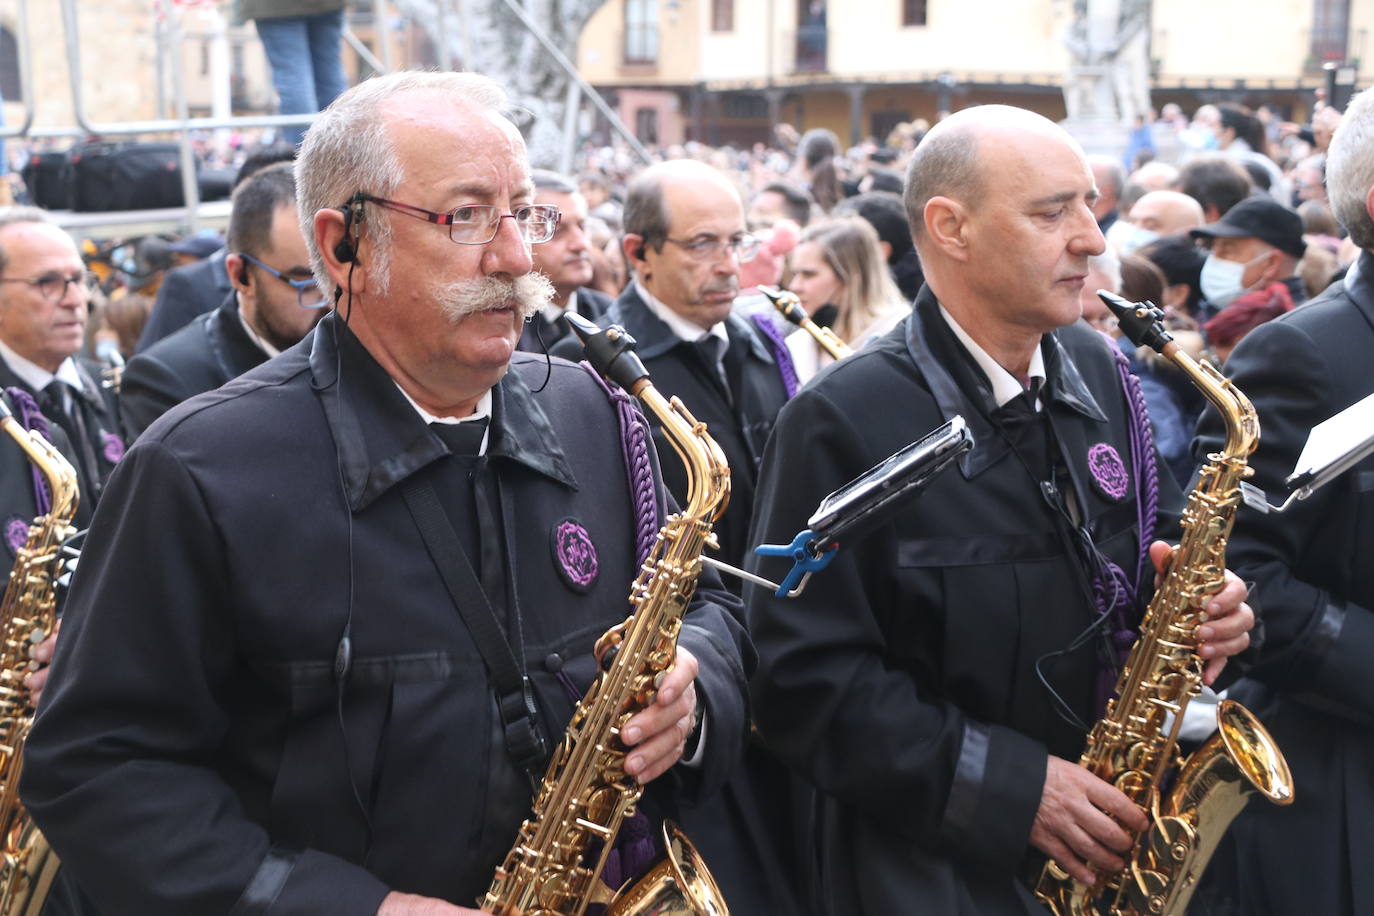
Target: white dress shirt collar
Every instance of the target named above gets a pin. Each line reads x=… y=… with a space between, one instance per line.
x=1005 y=386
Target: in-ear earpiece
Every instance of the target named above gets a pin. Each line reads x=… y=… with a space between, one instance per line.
x=639 y=253
x=347 y=249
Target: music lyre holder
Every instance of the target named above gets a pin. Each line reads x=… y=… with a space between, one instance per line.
x=862 y=505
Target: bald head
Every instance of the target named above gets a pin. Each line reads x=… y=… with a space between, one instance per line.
x=1167 y=212
x=646 y=210
x=949 y=162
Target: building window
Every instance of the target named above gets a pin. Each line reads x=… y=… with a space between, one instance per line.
x=913 y=12
x=722 y=15
x=646 y=125
x=1330 y=31
x=641 y=31
x=9 y=65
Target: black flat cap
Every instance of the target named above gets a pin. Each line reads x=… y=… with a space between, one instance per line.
x=1258 y=218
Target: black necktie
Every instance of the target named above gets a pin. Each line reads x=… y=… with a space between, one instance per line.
x=1020 y=409
x=712 y=349
x=462 y=438
x=65 y=410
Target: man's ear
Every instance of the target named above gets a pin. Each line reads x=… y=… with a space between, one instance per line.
x=331 y=236
x=946 y=225
x=237 y=269
x=635 y=250
x=1369 y=202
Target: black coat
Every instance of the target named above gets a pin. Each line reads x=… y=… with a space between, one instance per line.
x=103 y=446
x=745 y=834
x=1313 y=574
x=740 y=421
x=591 y=304
x=186 y=291
x=205 y=354
x=196 y=746
x=903 y=683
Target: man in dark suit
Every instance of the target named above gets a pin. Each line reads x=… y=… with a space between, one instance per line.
x=566 y=260
x=685 y=238
x=274 y=303
x=200 y=287
x=1314 y=583
x=44 y=305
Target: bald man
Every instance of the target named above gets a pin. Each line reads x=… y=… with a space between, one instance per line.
x=1156 y=214
x=936 y=681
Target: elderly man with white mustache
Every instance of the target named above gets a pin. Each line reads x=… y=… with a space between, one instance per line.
x=338 y=611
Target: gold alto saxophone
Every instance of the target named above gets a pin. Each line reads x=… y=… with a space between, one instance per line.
x=790 y=307
x=1190 y=802
x=555 y=865
x=28 y=614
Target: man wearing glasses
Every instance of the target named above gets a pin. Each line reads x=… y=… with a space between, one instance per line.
x=337 y=612
x=685 y=237
x=45 y=296
x=275 y=302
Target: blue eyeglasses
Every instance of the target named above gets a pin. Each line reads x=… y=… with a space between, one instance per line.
x=308 y=292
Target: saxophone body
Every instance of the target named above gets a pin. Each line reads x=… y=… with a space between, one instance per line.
x=1189 y=802
x=789 y=306
x=28 y=614
x=555 y=865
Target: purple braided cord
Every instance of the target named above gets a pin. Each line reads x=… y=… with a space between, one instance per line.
x=634 y=442
x=31 y=418
x=1147 y=504
x=1143 y=459
x=786 y=368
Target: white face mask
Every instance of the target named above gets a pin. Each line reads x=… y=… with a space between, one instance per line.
x=1222 y=280
x=1138 y=239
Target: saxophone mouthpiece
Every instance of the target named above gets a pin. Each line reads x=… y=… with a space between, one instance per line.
x=1141 y=322
x=611 y=351
x=785 y=302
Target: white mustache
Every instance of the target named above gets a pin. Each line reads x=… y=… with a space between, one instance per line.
x=526 y=294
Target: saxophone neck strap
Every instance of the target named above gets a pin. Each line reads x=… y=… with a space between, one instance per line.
x=524 y=739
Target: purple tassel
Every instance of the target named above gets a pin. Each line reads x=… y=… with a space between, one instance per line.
x=786 y=368
x=31 y=418
x=634 y=441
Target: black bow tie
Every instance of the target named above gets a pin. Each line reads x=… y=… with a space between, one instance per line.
x=462 y=438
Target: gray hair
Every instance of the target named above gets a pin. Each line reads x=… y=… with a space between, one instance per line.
x=349 y=150
x=16 y=215
x=646 y=214
x=945 y=164
x=1350 y=169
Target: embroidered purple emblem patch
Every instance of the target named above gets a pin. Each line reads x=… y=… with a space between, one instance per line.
x=575 y=554
x=16 y=533
x=1108 y=470
x=114 y=447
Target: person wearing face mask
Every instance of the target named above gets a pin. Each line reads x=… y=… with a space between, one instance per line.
x=1155 y=215
x=1257 y=242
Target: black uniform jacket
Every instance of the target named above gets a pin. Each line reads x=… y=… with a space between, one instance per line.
x=1313 y=574
x=205 y=354
x=739 y=420
x=187 y=291
x=903 y=682
x=198 y=750
x=540 y=334
x=95 y=455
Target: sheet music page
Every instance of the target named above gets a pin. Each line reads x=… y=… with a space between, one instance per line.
x=1349 y=434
